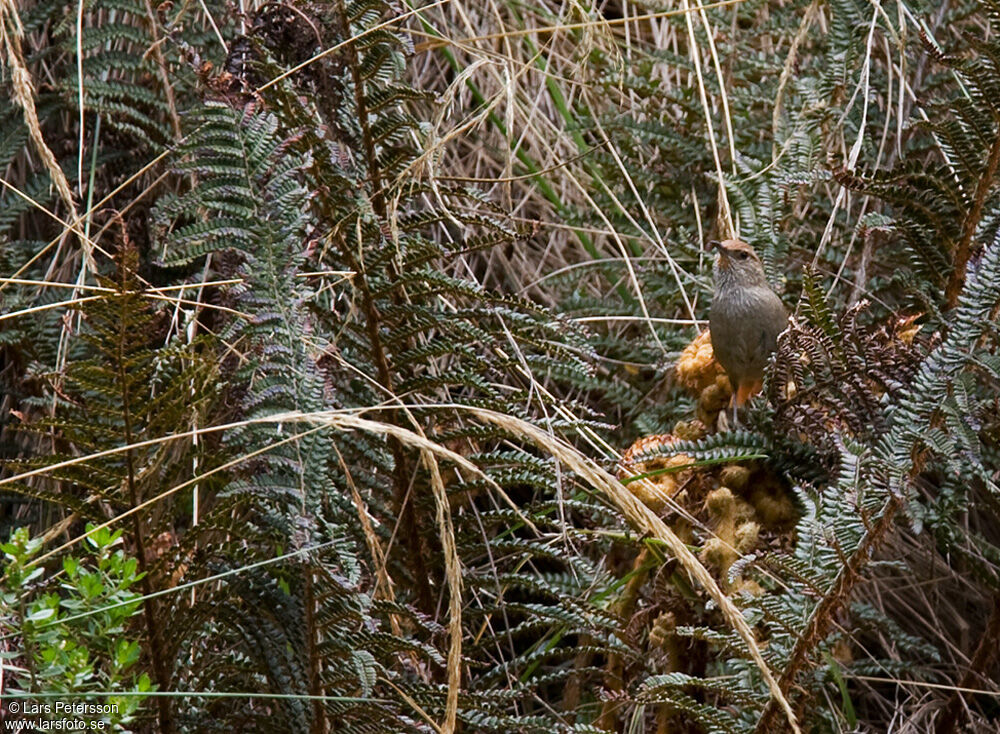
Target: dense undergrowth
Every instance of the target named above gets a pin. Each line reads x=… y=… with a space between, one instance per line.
x=326 y=327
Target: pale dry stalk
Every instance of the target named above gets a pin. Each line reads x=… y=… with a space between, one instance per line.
x=11 y=33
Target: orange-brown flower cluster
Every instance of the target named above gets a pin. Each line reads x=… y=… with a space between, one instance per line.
x=699 y=372
x=660 y=479
x=696 y=367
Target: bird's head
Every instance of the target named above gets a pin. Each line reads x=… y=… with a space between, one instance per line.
x=737 y=264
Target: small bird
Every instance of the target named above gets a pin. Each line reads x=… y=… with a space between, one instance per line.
x=745 y=319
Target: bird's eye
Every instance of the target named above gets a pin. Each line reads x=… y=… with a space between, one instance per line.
x=742 y=255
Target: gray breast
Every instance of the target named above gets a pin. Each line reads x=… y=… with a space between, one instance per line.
x=745 y=323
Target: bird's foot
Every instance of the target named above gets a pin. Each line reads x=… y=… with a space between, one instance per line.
x=722 y=423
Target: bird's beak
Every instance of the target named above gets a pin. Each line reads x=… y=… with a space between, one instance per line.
x=720 y=249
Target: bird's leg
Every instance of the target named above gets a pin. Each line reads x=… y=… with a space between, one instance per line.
x=729 y=418
x=722 y=420
x=744 y=391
